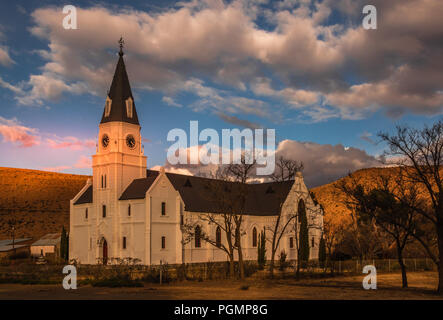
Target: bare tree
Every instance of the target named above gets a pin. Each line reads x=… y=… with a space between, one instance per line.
x=419 y=154
x=219 y=192
x=241 y=173
x=286 y=170
x=378 y=204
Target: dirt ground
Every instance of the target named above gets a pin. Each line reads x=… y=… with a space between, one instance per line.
x=422 y=286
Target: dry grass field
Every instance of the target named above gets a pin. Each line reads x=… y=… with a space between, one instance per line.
x=37 y=200
x=422 y=286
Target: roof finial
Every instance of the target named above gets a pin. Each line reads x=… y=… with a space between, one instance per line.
x=121 y=43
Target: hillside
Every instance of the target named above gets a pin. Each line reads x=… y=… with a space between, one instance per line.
x=42 y=199
x=332 y=199
x=37 y=200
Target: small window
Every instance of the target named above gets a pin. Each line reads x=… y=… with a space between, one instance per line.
x=254 y=237
x=86 y=213
x=129 y=107
x=129 y=210
x=124 y=242
x=312 y=242
x=291 y=242
x=163 y=208
x=197 y=237
x=104 y=211
x=163 y=242
x=103 y=181
x=218 y=237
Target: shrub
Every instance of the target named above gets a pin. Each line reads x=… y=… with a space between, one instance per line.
x=261 y=250
x=283 y=263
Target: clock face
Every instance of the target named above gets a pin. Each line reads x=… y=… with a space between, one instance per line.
x=130 y=141
x=105 y=141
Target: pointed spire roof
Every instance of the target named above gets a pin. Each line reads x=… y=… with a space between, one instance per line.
x=119 y=93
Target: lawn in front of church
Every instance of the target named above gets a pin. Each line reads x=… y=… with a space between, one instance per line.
x=422 y=286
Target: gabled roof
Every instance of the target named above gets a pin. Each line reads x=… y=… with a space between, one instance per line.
x=137 y=189
x=218 y=196
x=119 y=92
x=215 y=196
x=50 y=239
x=86 y=197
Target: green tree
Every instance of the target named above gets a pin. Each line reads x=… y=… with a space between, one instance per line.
x=64 y=243
x=303 y=253
x=322 y=252
x=261 y=250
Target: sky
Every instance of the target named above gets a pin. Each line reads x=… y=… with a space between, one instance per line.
x=307 y=69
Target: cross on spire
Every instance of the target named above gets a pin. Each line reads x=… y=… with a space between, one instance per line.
x=121 y=43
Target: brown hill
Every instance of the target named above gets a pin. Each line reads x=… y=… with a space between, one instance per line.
x=37 y=201
x=332 y=199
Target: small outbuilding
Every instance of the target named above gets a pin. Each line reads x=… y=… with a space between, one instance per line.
x=11 y=247
x=47 y=245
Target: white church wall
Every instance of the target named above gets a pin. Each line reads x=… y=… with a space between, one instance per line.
x=132 y=227
x=165 y=225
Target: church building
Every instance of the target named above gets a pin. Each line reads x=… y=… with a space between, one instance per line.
x=129 y=211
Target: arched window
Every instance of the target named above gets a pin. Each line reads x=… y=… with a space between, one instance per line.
x=218 y=237
x=86 y=213
x=197 y=237
x=103 y=182
x=104 y=211
x=163 y=242
x=163 y=208
x=124 y=242
x=129 y=210
x=254 y=237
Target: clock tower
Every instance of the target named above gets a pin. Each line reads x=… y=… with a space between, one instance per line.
x=119 y=158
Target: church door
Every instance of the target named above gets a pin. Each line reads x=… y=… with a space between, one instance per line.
x=105 y=252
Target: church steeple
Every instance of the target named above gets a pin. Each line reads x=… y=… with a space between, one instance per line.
x=120 y=104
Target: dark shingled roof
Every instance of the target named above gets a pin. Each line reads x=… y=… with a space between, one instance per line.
x=137 y=189
x=119 y=92
x=217 y=196
x=86 y=197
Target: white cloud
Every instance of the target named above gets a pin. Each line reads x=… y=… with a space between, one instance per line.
x=13 y=131
x=171 y=102
x=398 y=67
x=5 y=59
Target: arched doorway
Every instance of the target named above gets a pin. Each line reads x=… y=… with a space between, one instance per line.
x=104 y=251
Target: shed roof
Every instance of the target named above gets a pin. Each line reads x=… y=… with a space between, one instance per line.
x=50 y=239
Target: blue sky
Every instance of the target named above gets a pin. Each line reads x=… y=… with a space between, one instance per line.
x=305 y=68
